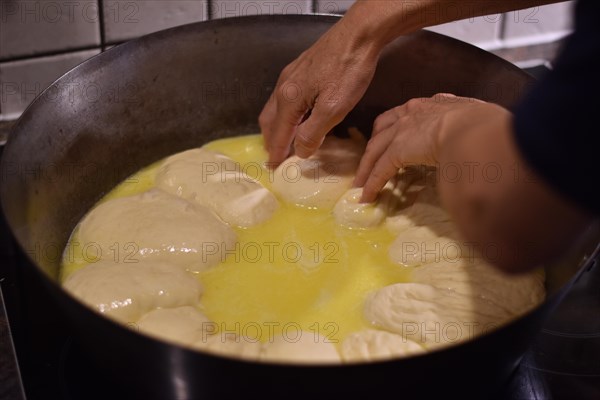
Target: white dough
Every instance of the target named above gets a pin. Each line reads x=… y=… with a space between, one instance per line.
x=230 y=345
x=424 y=211
x=127 y=291
x=306 y=347
x=351 y=213
x=181 y=325
x=157 y=225
x=418 y=245
x=372 y=345
x=430 y=315
x=514 y=294
x=320 y=180
x=216 y=181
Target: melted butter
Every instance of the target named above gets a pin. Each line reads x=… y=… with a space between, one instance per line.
x=298 y=270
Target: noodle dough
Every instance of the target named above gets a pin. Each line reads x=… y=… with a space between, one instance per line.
x=156 y=225
x=216 y=181
x=127 y=291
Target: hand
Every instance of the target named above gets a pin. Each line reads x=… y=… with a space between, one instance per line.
x=405 y=135
x=316 y=91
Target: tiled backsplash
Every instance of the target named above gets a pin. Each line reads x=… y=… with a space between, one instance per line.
x=42 y=39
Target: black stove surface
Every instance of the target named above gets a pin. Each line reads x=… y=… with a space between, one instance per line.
x=563 y=362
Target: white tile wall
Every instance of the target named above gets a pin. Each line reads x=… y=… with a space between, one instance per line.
x=531 y=26
x=21 y=81
x=234 y=8
x=333 y=7
x=127 y=19
x=32 y=27
x=28 y=27
x=538 y=25
x=481 y=31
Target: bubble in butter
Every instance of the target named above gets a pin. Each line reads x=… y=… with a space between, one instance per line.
x=298 y=270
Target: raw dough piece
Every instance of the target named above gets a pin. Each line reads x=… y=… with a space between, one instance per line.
x=181 y=325
x=126 y=291
x=157 y=225
x=306 y=348
x=230 y=345
x=420 y=245
x=216 y=181
x=372 y=345
x=351 y=213
x=320 y=180
x=514 y=294
x=423 y=209
x=430 y=315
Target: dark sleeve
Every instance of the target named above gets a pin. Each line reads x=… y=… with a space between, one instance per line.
x=557 y=124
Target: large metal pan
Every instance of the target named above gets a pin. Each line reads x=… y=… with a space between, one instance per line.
x=180 y=88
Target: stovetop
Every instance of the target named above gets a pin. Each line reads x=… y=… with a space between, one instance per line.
x=563 y=361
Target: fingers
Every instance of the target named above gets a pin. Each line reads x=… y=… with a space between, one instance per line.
x=385 y=168
x=281 y=119
x=384 y=121
x=265 y=120
x=311 y=133
x=376 y=147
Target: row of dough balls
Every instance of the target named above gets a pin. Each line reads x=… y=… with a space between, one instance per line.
x=194 y=204
x=200 y=195
x=191 y=207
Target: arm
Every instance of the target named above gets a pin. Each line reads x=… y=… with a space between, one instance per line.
x=317 y=90
x=514 y=218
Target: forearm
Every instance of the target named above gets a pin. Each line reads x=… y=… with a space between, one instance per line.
x=515 y=219
x=381 y=21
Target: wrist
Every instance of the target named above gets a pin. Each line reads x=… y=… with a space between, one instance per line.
x=379 y=22
x=465 y=121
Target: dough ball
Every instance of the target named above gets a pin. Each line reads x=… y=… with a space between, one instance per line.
x=181 y=325
x=420 y=245
x=217 y=182
x=320 y=180
x=351 y=213
x=231 y=345
x=514 y=294
x=373 y=345
x=303 y=348
x=431 y=315
x=126 y=291
x=157 y=225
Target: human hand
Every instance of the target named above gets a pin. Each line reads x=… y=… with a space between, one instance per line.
x=406 y=135
x=316 y=91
